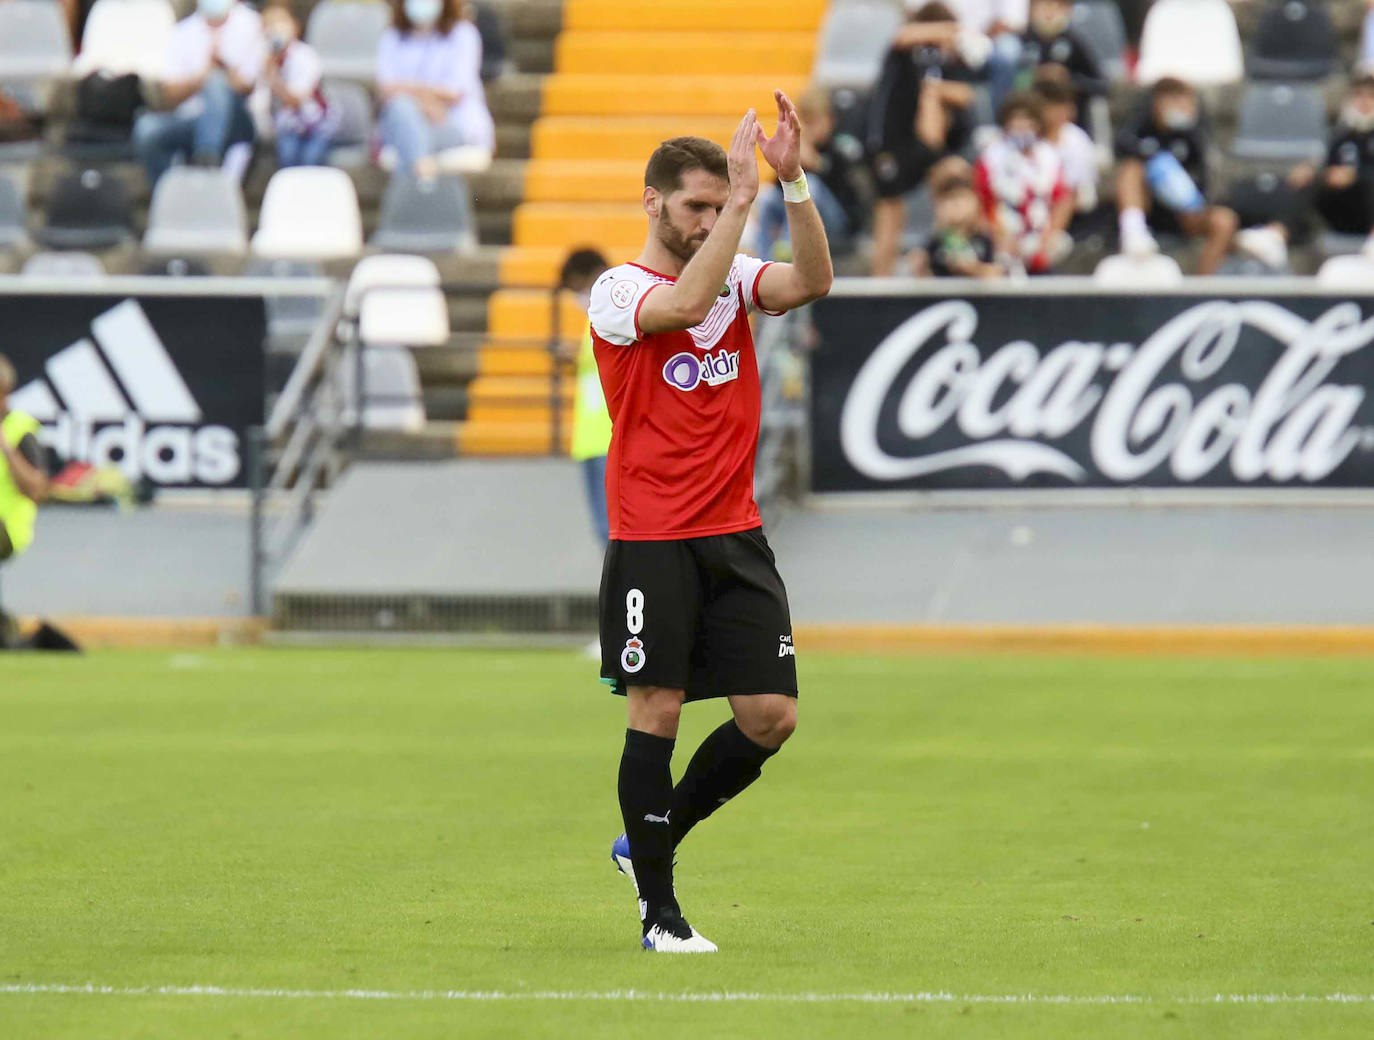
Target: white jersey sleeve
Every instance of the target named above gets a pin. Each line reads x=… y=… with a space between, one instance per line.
x=745 y=272
x=615 y=301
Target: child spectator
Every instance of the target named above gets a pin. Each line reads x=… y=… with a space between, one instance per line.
x=429 y=65
x=1077 y=153
x=1162 y=172
x=960 y=246
x=919 y=114
x=301 y=116
x=1021 y=181
x=213 y=63
x=828 y=159
x=1050 y=49
x=1345 y=186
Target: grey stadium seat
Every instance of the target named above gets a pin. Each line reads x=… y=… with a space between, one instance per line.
x=351 y=147
x=345 y=33
x=12 y=233
x=35 y=43
x=855 y=39
x=88 y=209
x=196 y=211
x=1099 y=24
x=1294 y=40
x=425 y=215
x=289 y=317
x=1281 y=121
x=63 y=265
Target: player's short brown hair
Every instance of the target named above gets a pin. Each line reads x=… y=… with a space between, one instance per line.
x=679 y=155
x=7 y=376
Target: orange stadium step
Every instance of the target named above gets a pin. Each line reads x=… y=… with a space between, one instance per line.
x=724 y=52
x=582 y=137
x=532 y=265
x=528 y=314
x=578 y=180
x=562 y=223
x=508 y=437
x=678 y=15
x=607 y=94
x=507 y=392
x=496 y=360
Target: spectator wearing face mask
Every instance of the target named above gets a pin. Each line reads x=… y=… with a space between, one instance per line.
x=1345 y=184
x=302 y=120
x=1020 y=179
x=214 y=61
x=1161 y=181
x=919 y=114
x=429 y=65
x=1050 y=49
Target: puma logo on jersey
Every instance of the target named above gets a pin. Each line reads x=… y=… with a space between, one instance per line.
x=686 y=371
x=651 y=818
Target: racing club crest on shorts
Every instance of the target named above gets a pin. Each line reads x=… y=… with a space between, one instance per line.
x=632 y=657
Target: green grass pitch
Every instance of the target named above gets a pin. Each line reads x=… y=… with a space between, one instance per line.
x=434 y=821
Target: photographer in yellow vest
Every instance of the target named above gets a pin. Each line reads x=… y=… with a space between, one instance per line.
x=23 y=481
x=591 y=425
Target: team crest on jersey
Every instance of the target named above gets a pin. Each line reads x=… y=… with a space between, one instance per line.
x=632 y=658
x=686 y=371
x=623 y=293
x=724 y=293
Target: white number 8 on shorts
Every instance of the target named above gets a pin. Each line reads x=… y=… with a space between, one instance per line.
x=634 y=611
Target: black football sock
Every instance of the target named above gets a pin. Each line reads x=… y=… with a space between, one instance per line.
x=726 y=763
x=646 y=799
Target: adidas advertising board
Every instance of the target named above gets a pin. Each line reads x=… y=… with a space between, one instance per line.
x=163 y=387
x=1092 y=391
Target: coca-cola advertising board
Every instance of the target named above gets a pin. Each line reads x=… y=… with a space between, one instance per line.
x=1037 y=390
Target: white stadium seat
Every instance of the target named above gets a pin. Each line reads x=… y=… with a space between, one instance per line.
x=397 y=300
x=854 y=40
x=126 y=36
x=345 y=33
x=34 y=40
x=1347 y=272
x=63 y=265
x=197 y=211
x=1193 y=40
x=309 y=213
x=391 y=388
x=1138 y=272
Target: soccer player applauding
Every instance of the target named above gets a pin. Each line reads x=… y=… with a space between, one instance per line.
x=692 y=606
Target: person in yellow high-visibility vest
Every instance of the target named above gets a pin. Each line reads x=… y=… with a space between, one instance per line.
x=23 y=481
x=591 y=425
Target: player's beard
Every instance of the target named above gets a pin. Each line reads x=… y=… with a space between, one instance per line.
x=673 y=239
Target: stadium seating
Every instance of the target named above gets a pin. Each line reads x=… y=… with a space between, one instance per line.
x=1281 y=121
x=350 y=148
x=88 y=210
x=126 y=36
x=345 y=33
x=1260 y=198
x=196 y=211
x=1131 y=272
x=1347 y=272
x=1194 y=40
x=425 y=215
x=35 y=43
x=1099 y=24
x=290 y=319
x=63 y=265
x=854 y=41
x=1333 y=243
x=12 y=215
x=1294 y=40
x=391 y=398
x=397 y=300
x=177 y=267
x=309 y=213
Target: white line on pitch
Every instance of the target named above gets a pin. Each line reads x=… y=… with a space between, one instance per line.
x=926 y=997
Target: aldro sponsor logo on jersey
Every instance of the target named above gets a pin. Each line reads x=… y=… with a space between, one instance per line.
x=120 y=400
x=686 y=371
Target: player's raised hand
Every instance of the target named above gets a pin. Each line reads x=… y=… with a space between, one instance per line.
x=743 y=167
x=782 y=151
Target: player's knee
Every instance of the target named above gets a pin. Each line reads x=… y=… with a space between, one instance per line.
x=772 y=723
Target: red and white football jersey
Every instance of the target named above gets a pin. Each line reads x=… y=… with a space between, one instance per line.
x=684 y=408
x=1019 y=189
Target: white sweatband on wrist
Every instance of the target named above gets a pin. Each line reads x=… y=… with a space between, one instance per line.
x=795 y=191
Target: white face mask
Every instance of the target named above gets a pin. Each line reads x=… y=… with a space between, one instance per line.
x=214 y=10
x=1179 y=119
x=424 y=13
x=1361 y=122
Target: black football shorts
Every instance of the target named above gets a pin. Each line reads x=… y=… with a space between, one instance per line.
x=705 y=615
